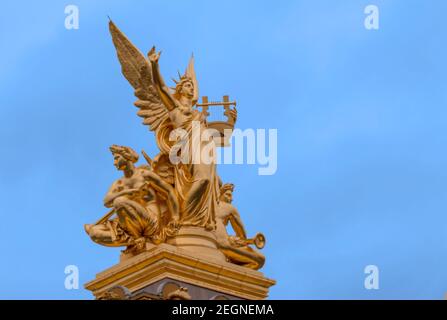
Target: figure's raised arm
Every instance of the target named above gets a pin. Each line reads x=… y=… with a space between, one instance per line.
x=162 y=89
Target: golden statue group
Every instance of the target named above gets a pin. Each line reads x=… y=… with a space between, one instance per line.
x=156 y=202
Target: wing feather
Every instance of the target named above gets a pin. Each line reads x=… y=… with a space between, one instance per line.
x=136 y=69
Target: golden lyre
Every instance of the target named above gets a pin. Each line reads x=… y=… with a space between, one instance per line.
x=225 y=128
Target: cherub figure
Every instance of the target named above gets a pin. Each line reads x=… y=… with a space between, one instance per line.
x=141 y=200
x=236 y=248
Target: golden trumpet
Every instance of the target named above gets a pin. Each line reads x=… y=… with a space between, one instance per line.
x=258 y=240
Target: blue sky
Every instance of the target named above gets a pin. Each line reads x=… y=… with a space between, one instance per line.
x=361 y=124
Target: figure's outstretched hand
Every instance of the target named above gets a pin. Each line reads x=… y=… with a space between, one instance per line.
x=237 y=241
x=233 y=114
x=172 y=227
x=153 y=55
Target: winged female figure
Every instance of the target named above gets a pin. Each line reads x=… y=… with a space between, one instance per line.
x=164 y=110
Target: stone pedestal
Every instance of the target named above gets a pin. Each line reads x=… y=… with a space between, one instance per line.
x=160 y=269
x=197 y=241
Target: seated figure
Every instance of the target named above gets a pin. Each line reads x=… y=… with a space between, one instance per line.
x=145 y=206
x=235 y=248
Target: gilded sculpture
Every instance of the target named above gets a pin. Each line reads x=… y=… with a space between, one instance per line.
x=155 y=202
x=236 y=248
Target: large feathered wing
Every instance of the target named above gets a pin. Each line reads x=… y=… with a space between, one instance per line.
x=137 y=70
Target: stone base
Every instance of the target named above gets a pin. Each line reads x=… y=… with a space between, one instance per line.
x=197 y=241
x=149 y=273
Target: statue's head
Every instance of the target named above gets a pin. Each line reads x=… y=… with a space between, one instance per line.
x=184 y=88
x=122 y=156
x=179 y=294
x=226 y=192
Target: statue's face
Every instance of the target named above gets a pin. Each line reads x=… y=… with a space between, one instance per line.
x=119 y=162
x=227 y=196
x=187 y=89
